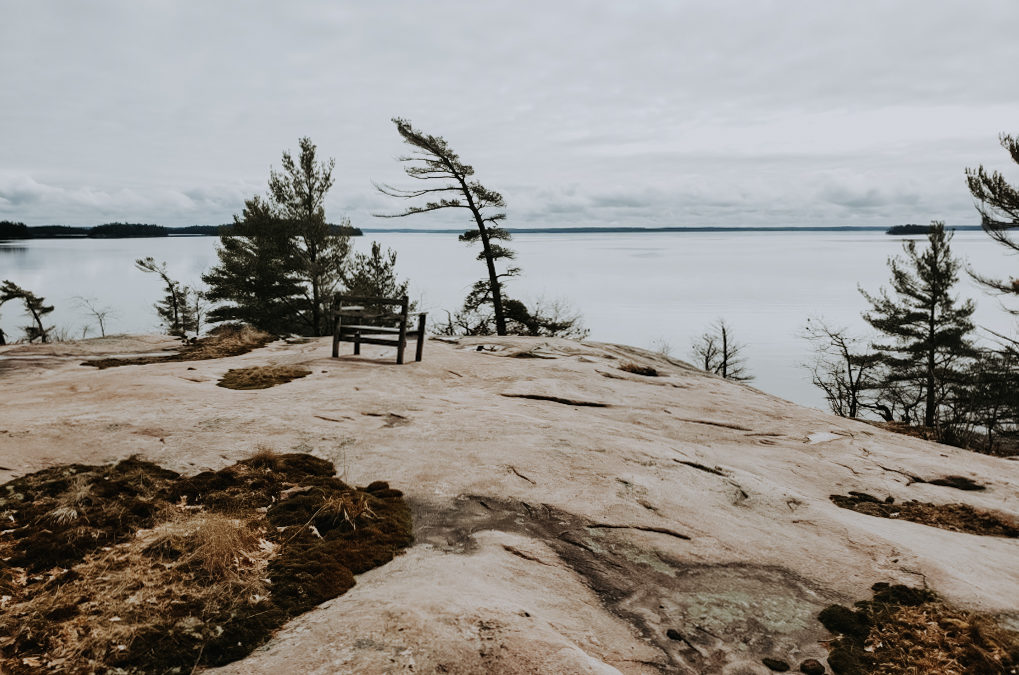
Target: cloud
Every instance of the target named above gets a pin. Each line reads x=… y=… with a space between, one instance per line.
x=47 y=203
x=666 y=113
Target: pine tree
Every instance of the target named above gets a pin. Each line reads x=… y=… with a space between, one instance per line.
x=448 y=185
x=998 y=203
x=298 y=196
x=928 y=330
x=281 y=262
x=374 y=274
x=35 y=306
x=256 y=280
x=180 y=310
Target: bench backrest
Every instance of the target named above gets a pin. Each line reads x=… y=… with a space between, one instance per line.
x=376 y=309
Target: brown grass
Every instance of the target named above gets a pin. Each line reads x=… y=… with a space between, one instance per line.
x=130 y=568
x=261 y=377
x=220 y=343
x=955 y=517
x=905 y=631
x=638 y=369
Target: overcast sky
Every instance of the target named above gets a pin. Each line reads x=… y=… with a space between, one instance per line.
x=580 y=113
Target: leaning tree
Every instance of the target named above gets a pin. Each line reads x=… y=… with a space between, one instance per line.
x=447 y=184
x=35 y=307
x=998 y=203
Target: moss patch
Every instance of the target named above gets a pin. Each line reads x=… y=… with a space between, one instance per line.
x=955 y=517
x=261 y=377
x=908 y=630
x=133 y=568
x=220 y=343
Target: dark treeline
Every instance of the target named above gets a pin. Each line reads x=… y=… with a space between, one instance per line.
x=909 y=229
x=14 y=230
x=925 y=229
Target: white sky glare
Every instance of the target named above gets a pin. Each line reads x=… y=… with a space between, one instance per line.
x=581 y=113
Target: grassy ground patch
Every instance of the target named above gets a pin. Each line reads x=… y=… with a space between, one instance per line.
x=955 y=517
x=912 y=631
x=133 y=568
x=261 y=377
x=221 y=343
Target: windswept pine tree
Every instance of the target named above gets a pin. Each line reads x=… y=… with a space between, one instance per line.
x=927 y=329
x=447 y=183
x=998 y=203
x=35 y=306
x=181 y=309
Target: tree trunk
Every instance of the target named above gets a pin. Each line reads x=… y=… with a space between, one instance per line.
x=493 y=282
x=493 y=277
x=929 y=410
x=725 y=354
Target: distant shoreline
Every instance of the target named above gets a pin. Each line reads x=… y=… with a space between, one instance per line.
x=25 y=233
x=652 y=230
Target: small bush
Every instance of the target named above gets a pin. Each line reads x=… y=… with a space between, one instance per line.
x=638 y=369
x=261 y=377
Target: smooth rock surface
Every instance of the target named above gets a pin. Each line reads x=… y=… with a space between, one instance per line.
x=570 y=517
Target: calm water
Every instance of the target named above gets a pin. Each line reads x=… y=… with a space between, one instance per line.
x=639 y=289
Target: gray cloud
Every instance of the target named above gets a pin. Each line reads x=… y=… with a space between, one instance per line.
x=580 y=112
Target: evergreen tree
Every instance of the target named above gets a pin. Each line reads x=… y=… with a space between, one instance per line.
x=281 y=262
x=256 y=280
x=374 y=274
x=298 y=193
x=998 y=203
x=35 y=306
x=181 y=308
x=928 y=330
x=433 y=161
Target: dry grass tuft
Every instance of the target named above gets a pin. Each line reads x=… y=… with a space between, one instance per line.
x=913 y=632
x=348 y=508
x=213 y=543
x=218 y=344
x=638 y=369
x=261 y=377
x=264 y=458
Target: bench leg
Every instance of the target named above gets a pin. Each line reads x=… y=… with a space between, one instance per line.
x=401 y=344
x=357 y=342
x=336 y=338
x=421 y=337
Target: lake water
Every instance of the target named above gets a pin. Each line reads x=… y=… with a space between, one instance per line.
x=641 y=289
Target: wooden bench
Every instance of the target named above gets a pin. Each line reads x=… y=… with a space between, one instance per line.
x=363 y=319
